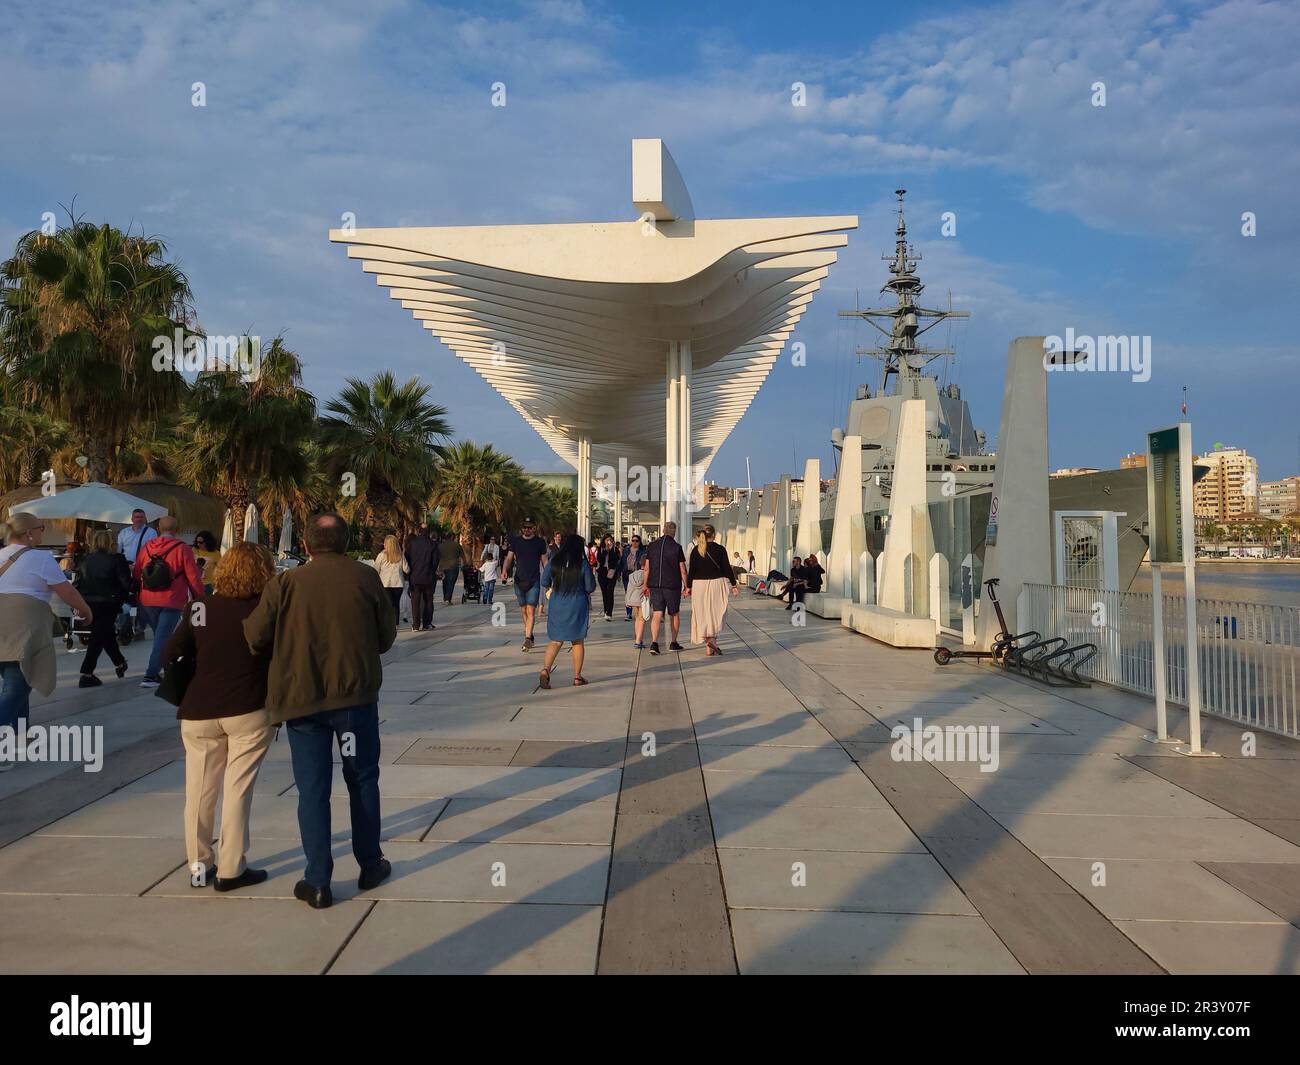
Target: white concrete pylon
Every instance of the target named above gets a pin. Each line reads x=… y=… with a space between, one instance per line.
x=907 y=490
x=866 y=579
x=848 y=503
x=808 y=538
x=781 y=549
x=1019 y=512
x=763 y=552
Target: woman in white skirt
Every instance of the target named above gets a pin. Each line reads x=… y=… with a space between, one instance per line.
x=708 y=574
x=635 y=596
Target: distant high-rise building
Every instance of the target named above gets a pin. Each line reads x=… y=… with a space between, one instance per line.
x=1230 y=490
x=1277 y=499
x=711 y=494
x=1132 y=461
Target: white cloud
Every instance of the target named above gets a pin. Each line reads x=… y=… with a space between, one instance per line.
x=383 y=109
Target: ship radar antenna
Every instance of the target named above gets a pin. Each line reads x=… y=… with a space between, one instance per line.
x=903 y=323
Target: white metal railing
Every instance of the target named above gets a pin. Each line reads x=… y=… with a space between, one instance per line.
x=1249 y=653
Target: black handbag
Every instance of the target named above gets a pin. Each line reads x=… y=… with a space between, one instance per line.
x=176 y=680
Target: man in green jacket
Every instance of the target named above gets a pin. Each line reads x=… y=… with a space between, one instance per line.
x=451 y=556
x=325 y=625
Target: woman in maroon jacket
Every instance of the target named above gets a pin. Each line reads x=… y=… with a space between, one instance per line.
x=224 y=723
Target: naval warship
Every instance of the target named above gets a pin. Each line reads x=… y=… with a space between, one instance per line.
x=959 y=465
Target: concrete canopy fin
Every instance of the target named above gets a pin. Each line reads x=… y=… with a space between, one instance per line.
x=658 y=189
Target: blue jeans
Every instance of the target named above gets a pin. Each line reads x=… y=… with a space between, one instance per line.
x=163 y=620
x=488 y=588
x=311 y=747
x=15 y=695
x=449 y=583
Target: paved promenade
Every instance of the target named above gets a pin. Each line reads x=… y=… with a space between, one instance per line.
x=770 y=831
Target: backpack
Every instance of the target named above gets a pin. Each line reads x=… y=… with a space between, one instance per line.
x=157 y=575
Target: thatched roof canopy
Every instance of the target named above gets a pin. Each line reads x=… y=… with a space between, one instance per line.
x=58 y=531
x=194 y=510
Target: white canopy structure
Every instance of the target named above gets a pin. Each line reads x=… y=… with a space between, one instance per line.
x=643 y=341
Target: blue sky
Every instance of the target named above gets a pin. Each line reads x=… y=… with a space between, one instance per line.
x=1124 y=219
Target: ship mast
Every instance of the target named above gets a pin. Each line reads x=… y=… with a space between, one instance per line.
x=902 y=324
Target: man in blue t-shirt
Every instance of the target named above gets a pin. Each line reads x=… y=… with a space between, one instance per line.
x=525 y=561
x=665 y=573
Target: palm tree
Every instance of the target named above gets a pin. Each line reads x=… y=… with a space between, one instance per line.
x=312 y=493
x=241 y=432
x=478 y=486
x=1215 y=534
x=29 y=438
x=559 y=507
x=387 y=437
x=80 y=312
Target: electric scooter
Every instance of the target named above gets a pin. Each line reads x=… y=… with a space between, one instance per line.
x=1003 y=643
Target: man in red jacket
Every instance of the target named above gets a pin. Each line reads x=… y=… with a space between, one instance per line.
x=162 y=606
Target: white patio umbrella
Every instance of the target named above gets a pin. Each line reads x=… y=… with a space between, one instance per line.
x=286 y=534
x=228 y=533
x=91 y=502
x=250 y=524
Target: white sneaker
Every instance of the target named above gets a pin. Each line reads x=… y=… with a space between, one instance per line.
x=148 y=683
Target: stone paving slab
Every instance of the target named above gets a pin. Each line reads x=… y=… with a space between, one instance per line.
x=1272 y=885
x=577 y=754
x=846 y=788
x=431 y=751
x=839 y=880
x=87 y=865
x=665 y=918
x=1140 y=798
x=276 y=817
x=1158 y=838
x=665 y=838
x=103 y=934
x=1218 y=949
x=837 y=828
x=437 y=872
x=1007 y=719
x=769 y=759
x=522 y=821
x=772 y=942
x=1146 y=890
x=461 y=938
x=491 y=782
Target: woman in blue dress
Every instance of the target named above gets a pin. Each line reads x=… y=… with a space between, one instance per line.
x=568 y=575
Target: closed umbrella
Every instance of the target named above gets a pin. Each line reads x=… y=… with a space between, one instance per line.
x=250 y=524
x=228 y=533
x=286 y=533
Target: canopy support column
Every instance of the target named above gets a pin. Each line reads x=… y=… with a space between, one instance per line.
x=672 y=439
x=584 y=487
x=679 y=481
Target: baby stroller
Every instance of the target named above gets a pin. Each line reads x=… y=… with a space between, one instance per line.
x=473 y=590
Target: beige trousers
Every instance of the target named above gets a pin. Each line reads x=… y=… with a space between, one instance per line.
x=229 y=750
